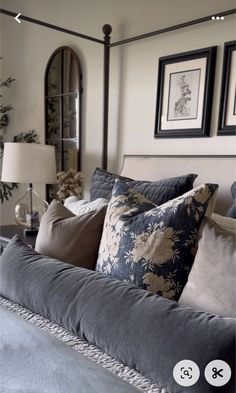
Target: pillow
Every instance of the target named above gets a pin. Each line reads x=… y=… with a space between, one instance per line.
x=79 y=206
x=232 y=210
x=227 y=223
x=152 y=246
x=157 y=192
x=144 y=331
x=211 y=283
x=71 y=238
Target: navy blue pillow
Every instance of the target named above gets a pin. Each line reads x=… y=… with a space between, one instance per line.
x=152 y=246
x=157 y=192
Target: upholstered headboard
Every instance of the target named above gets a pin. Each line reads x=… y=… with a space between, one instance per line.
x=218 y=169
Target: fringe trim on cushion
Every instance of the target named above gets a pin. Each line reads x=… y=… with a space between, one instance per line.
x=89 y=350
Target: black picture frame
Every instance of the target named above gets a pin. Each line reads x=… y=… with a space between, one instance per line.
x=193 y=110
x=228 y=73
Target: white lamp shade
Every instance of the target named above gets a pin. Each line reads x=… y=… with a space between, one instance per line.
x=29 y=163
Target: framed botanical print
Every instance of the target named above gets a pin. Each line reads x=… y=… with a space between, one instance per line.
x=184 y=94
x=227 y=112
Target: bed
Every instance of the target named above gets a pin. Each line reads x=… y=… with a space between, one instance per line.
x=70 y=329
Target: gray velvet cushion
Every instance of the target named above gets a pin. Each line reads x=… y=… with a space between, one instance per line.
x=71 y=238
x=211 y=283
x=144 y=331
x=157 y=192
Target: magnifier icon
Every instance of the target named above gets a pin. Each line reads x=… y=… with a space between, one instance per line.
x=186 y=372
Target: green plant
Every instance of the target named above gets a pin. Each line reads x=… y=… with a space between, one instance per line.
x=4 y=113
x=29 y=137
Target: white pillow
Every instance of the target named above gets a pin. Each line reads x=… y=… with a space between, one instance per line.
x=80 y=206
x=211 y=283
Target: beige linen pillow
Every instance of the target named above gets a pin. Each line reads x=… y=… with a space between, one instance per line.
x=211 y=283
x=70 y=238
x=227 y=223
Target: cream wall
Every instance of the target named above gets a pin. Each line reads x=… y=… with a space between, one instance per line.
x=27 y=47
x=138 y=98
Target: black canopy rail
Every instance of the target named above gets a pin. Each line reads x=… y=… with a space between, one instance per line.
x=50 y=26
x=107 y=29
x=174 y=27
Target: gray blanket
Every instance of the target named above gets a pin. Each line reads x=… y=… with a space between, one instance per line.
x=33 y=361
x=82 y=346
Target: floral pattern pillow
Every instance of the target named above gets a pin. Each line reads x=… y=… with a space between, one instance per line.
x=152 y=246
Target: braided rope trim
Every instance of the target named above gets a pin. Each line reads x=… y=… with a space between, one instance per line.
x=89 y=350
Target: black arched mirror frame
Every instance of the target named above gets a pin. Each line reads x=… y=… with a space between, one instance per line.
x=63 y=90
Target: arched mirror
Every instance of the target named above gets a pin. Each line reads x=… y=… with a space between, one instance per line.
x=62 y=110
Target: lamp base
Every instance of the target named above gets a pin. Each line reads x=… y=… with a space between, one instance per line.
x=29 y=210
x=30 y=232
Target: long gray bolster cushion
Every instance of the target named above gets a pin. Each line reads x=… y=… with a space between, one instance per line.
x=144 y=331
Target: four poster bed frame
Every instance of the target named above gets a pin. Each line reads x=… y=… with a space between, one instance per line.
x=107 y=45
x=89 y=311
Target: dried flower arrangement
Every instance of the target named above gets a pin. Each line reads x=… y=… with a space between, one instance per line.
x=69 y=183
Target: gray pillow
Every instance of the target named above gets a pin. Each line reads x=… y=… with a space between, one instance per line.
x=211 y=283
x=157 y=192
x=144 y=331
x=232 y=210
x=71 y=238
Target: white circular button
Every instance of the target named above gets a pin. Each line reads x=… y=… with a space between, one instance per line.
x=186 y=372
x=217 y=373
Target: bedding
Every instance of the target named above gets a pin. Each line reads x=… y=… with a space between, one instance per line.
x=35 y=362
x=145 y=332
x=157 y=192
x=71 y=238
x=82 y=346
x=80 y=206
x=152 y=246
x=211 y=282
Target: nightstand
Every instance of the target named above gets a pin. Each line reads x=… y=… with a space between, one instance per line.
x=8 y=231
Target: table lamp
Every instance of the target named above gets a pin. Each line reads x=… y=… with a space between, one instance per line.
x=29 y=163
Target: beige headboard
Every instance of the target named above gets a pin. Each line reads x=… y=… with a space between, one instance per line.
x=210 y=169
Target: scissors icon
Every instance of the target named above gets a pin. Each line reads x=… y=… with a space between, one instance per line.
x=217 y=373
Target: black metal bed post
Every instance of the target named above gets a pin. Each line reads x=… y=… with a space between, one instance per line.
x=107 y=29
